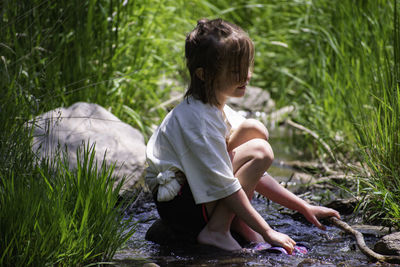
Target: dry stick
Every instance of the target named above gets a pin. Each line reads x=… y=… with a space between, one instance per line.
x=168 y=102
x=361 y=243
x=313 y=134
x=309 y=166
x=341 y=224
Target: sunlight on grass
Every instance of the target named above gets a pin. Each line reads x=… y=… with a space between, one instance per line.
x=336 y=61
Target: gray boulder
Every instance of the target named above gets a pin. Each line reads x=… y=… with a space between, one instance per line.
x=161 y=233
x=389 y=244
x=255 y=99
x=84 y=123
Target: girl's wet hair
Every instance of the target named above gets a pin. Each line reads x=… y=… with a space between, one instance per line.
x=212 y=46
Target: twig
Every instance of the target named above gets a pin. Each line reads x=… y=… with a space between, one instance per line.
x=280 y=114
x=361 y=243
x=138 y=197
x=313 y=134
x=168 y=102
x=311 y=167
x=338 y=176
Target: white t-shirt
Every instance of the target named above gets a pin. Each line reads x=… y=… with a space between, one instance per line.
x=191 y=139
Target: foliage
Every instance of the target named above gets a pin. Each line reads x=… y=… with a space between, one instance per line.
x=52 y=54
x=336 y=61
x=378 y=135
x=51 y=215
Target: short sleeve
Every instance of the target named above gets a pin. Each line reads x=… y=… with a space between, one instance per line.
x=207 y=165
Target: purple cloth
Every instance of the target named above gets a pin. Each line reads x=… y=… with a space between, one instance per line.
x=266 y=247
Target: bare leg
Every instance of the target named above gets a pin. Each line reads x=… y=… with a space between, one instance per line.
x=249 y=176
x=251 y=157
x=250 y=161
x=217 y=231
x=249 y=129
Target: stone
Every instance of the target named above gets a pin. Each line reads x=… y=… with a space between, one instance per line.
x=371 y=230
x=161 y=233
x=389 y=244
x=255 y=99
x=85 y=123
x=344 y=206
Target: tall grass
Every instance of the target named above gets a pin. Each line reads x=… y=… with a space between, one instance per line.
x=352 y=95
x=59 y=52
x=377 y=130
x=53 y=216
x=342 y=74
x=346 y=37
x=334 y=60
x=53 y=54
x=338 y=63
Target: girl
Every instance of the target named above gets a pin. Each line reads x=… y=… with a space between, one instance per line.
x=206 y=161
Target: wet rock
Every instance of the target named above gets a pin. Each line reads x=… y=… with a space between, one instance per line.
x=68 y=128
x=343 y=206
x=389 y=244
x=304 y=178
x=255 y=99
x=152 y=264
x=161 y=233
x=311 y=262
x=371 y=230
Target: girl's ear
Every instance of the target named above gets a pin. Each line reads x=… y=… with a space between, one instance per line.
x=200 y=73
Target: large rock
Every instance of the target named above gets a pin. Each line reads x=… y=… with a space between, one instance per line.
x=389 y=244
x=90 y=123
x=161 y=233
x=255 y=99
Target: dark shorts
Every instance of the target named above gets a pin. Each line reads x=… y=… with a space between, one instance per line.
x=182 y=214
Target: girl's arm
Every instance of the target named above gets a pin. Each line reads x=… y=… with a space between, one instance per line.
x=271 y=189
x=240 y=205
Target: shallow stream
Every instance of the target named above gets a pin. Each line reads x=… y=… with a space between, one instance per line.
x=327 y=248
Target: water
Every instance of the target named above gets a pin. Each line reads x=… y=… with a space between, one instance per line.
x=327 y=248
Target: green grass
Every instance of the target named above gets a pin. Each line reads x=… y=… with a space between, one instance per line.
x=351 y=96
x=378 y=135
x=53 y=54
x=51 y=215
x=336 y=61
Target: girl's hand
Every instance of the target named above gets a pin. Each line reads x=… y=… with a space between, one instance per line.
x=313 y=213
x=278 y=239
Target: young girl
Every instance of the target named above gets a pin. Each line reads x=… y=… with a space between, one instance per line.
x=206 y=161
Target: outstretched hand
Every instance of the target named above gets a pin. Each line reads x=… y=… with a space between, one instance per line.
x=279 y=239
x=313 y=213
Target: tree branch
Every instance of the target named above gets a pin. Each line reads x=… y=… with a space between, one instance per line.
x=361 y=243
x=313 y=134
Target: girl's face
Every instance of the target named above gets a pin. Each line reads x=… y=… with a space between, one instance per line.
x=227 y=85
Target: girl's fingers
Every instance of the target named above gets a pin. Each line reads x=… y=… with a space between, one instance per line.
x=337 y=214
x=289 y=248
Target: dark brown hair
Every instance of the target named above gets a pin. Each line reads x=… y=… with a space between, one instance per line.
x=213 y=45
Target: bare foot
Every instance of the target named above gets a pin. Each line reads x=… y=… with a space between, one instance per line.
x=246 y=232
x=220 y=240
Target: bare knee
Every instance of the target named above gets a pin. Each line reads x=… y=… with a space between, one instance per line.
x=251 y=161
x=248 y=130
x=255 y=129
x=263 y=153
